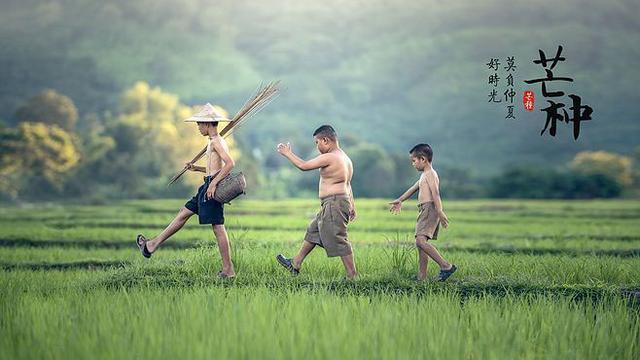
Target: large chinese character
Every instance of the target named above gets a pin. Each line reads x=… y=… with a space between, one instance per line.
x=580 y=112
x=543 y=61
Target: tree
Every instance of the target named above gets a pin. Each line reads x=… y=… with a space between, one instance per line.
x=538 y=183
x=35 y=157
x=613 y=165
x=49 y=107
x=373 y=171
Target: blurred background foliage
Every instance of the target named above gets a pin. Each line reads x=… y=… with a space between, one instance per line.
x=93 y=94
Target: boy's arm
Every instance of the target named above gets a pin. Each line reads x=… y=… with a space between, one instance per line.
x=192 y=167
x=437 y=201
x=407 y=194
x=319 y=161
x=396 y=204
x=223 y=152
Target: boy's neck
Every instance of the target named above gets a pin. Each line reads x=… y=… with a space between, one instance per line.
x=213 y=133
x=427 y=168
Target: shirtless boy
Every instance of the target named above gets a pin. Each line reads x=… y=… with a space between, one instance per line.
x=210 y=211
x=430 y=213
x=329 y=228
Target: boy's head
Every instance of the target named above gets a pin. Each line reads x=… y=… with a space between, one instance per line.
x=325 y=137
x=205 y=126
x=421 y=155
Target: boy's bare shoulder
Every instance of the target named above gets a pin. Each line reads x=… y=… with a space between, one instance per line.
x=430 y=176
x=217 y=141
x=343 y=156
x=335 y=157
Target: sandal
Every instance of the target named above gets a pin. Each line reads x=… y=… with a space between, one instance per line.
x=444 y=274
x=141 y=241
x=288 y=264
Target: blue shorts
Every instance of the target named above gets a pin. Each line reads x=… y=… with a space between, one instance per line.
x=209 y=211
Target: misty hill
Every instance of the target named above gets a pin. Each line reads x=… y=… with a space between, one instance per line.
x=393 y=73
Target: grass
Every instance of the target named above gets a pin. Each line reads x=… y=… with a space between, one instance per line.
x=231 y=322
x=537 y=279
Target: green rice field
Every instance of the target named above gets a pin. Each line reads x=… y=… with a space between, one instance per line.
x=536 y=280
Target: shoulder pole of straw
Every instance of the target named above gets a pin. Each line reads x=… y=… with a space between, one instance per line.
x=263 y=96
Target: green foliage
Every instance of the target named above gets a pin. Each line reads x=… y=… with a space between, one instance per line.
x=387 y=79
x=537 y=183
x=605 y=163
x=394 y=75
x=49 y=107
x=35 y=159
x=459 y=183
x=373 y=171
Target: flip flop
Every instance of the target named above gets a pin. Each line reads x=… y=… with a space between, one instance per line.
x=288 y=264
x=141 y=242
x=444 y=274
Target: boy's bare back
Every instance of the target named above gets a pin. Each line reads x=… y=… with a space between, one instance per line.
x=335 y=177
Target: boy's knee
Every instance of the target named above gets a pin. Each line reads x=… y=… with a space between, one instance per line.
x=421 y=240
x=219 y=229
x=184 y=214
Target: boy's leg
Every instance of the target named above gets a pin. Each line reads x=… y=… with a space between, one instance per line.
x=305 y=249
x=423 y=244
x=423 y=261
x=178 y=222
x=349 y=266
x=225 y=249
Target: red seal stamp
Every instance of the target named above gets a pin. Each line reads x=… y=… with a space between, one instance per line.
x=529 y=100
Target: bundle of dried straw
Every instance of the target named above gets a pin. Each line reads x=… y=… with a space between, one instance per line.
x=264 y=95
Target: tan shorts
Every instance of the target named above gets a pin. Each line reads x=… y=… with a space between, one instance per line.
x=329 y=228
x=428 y=222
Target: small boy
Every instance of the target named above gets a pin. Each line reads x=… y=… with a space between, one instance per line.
x=329 y=228
x=430 y=213
x=210 y=211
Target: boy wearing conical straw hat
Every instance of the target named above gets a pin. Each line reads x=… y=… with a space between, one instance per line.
x=219 y=164
x=329 y=228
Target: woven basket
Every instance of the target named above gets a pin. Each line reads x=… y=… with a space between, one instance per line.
x=230 y=187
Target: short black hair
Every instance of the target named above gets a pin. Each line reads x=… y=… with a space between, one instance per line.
x=213 y=123
x=422 y=150
x=326 y=131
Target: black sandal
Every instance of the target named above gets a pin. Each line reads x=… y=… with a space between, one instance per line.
x=444 y=274
x=141 y=241
x=288 y=264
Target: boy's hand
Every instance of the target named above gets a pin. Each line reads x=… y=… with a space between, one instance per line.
x=284 y=149
x=211 y=190
x=189 y=166
x=443 y=219
x=396 y=206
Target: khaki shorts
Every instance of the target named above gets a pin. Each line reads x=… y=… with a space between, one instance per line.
x=329 y=228
x=428 y=222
